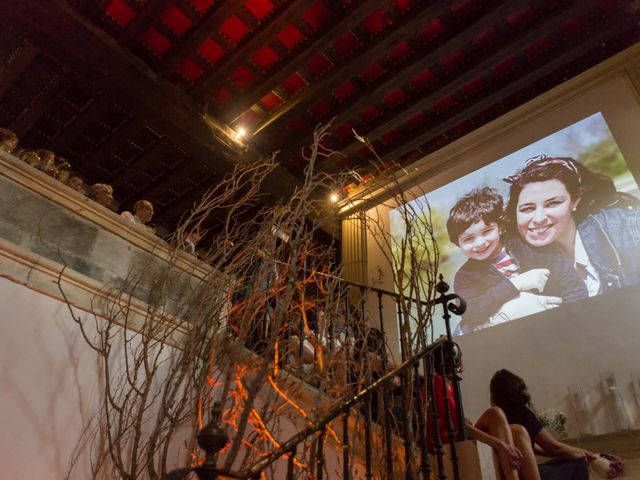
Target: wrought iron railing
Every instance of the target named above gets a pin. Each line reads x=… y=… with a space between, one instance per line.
x=435 y=379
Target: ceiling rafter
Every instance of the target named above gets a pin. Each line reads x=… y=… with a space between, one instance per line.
x=455 y=81
x=112 y=69
x=23 y=56
x=41 y=104
x=296 y=61
x=208 y=26
x=349 y=70
x=132 y=168
x=105 y=150
x=590 y=44
x=90 y=113
x=144 y=19
x=240 y=55
x=165 y=181
x=405 y=73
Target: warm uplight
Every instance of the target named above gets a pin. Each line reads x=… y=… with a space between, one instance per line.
x=334 y=198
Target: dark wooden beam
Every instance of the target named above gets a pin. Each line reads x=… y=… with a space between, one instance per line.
x=563 y=56
x=241 y=55
x=144 y=18
x=165 y=181
x=104 y=150
x=22 y=57
x=208 y=26
x=39 y=106
x=134 y=168
x=454 y=82
x=298 y=59
x=458 y=35
x=97 y=57
x=75 y=127
x=354 y=67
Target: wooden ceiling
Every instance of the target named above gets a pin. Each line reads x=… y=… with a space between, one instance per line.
x=146 y=94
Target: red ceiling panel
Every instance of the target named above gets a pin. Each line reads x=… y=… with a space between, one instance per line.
x=319 y=65
x=344 y=91
x=345 y=44
x=370 y=113
x=486 y=38
x=190 y=70
x=155 y=41
x=320 y=108
x=394 y=97
x=520 y=16
x=177 y=21
x=372 y=72
x=201 y=6
x=444 y=103
x=453 y=60
x=294 y=84
x=242 y=77
x=290 y=36
x=538 y=46
x=234 y=29
x=259 y=8
x=391 y=135
x=574 y=24
x=505 y=66
x=270 y=101
x=431 y=30
x=473 y=86
x=404 y=5
x=298 y=123
x=422 y=79
x=344 y=130
x=265 y=57
x=221 y=95
x=400 y=51
x=211 y=51
x=376 y=22
x=417 y=120
x=317 y=15
x=463 y=7
x=119 y=11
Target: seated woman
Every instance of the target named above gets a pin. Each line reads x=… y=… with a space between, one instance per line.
x=509 y=393
x=492 y=428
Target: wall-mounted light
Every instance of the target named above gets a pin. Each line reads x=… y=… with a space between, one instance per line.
x=334 y=197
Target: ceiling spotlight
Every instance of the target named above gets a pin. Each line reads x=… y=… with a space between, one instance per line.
x=334 y=198
x=240 y=133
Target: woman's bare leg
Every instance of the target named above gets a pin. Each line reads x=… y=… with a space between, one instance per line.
x=494 y=422
x=522 y=441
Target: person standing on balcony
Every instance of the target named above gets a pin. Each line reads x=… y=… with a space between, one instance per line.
x=142 y=213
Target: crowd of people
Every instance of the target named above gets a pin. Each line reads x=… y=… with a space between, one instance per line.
x=59 y=168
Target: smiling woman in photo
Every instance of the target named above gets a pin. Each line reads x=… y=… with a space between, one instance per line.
x=558 y=201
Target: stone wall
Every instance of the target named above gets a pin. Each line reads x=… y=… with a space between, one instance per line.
x=45 y=217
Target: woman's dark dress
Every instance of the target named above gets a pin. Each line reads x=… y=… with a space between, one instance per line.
x=554 y=469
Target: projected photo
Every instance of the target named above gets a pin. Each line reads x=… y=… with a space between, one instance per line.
x=555 y=222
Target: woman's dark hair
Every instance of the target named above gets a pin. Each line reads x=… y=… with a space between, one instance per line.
x=595 y=190
x=508 y=390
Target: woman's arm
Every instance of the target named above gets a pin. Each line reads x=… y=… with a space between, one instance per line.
x=511 y=453
x=549 y=446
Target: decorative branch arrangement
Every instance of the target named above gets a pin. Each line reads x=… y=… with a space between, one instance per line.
x=271 y=332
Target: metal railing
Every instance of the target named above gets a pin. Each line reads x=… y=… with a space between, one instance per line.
x=434 y=416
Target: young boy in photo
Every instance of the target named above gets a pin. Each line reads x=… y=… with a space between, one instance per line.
x=504 y=278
